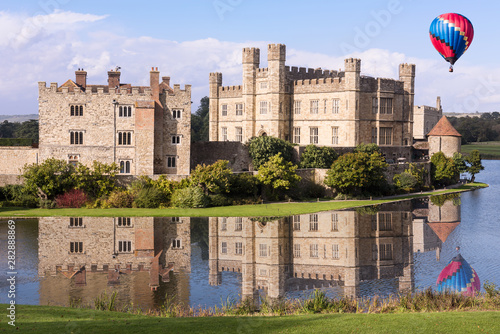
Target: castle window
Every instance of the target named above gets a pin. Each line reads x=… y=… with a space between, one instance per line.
x=76 y=247
x=176 y=113
x=125 y=138
x=263 y=85
x=239 y=134
x=124 y=246
x=374 y=105
x=76 y=138
x=385 y=252
x=125 y=167
x=335 y=221
x=76 y=110
x=374 y=135
x=176 y=220
x=262 y=250
x=335 y=135
x=385 y=106
x=224 y=134
x=296 y=250
x=314 y=106
x=239 y=109
x=263 y=107
x=238 y=225
x=223 y=225
x=296 y=135
x=296 y=223
x=374 y=252
x=385 y=136
x=238 y=248
x=296 y=107
x=123 y=221
x=224 y=110
x=313 y=135
x=176 y=139
x=73 y=159
x=313 y=249
x=313 y=222
x=171 y=161
x=76 y=222
x=125 y=111
x=223 y=247
x=176 y=244
x=335 y=106
x=385 y=221
x=324 y=108
x=335 y=252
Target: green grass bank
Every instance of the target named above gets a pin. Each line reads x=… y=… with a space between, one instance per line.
x=50 y=319
x=488 y=150
x=259 y=210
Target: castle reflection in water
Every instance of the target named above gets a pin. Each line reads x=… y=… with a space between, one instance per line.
x=147 y=258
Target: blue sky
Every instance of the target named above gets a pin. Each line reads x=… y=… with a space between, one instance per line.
x=46 y=40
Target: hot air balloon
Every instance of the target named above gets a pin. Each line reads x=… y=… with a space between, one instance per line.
x=458 y=276
x=451 y=34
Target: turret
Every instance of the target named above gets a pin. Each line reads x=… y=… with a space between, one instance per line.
x=352 y=73
x=215 y=81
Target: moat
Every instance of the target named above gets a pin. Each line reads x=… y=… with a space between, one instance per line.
x=384 y=250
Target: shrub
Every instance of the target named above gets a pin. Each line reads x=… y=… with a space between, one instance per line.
x=52 y=177
x=278 y=174
x=75 y=198
x=150 y=197
x=120 y=199
x=244 y=184
x=261 y=149
x=191 y=197
x=219 y=200
x=405 y=181
x=318 y=157
x=443 y=170
x=214 y=178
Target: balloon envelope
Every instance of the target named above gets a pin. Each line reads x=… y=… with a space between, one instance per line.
x=451 y=34
x=458 y=276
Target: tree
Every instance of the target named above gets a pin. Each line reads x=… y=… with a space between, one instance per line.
x=278 y=173
x=459 y=161
x=28 y=129
x=200 y=121
x=474 y=164
x=443 y=170
x=367 y=148
x=358 y=173
x=318 y=157
x=52 y=177
x=214 y=178
x=261 y=149
x=98 y=180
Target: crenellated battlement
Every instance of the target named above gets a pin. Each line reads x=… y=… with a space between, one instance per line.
x=276 y=52
x=352 y=65
x=215 y=78
x=303 y=73
x=230 y=91
x=407 y=70
x=251 y=56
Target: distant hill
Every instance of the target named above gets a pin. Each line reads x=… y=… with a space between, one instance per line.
x=18 y=118
x=458 y=114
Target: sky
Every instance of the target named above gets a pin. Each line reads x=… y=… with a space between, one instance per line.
x=47 y=40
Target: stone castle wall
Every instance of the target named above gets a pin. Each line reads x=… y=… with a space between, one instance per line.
x=12 y=161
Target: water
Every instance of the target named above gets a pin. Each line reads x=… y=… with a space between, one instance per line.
x=209 y=261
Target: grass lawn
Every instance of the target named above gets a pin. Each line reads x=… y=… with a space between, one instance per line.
x=268 y=210
x=488 y=150
x=49 y=319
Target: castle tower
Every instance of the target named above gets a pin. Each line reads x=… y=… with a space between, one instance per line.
x=214 y=276
x=352 y=89
x=407 y=75
x=215 y=82
x=251 y=61
x=445 y=138
x=276 y=57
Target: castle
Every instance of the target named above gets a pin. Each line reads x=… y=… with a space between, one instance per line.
x=312 y=106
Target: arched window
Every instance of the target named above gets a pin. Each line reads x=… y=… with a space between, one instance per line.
x=120 y=111
x=72 y=110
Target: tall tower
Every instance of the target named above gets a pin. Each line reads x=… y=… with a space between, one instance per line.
x=215 y=81
x=251 y=61
x=352 y=89
x=276 y=57
x=407 y=75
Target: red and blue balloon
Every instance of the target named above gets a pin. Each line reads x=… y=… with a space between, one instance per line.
x=458 y=276
x=451 y=34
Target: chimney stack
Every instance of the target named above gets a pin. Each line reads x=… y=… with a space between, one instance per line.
x=166 y=80
x=154 y=79
x=113 y=79
x=81 y=78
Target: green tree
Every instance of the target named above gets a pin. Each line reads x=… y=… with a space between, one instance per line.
x=98 y=180
x=459 y=161
x=405 y=181
x=7 y=129
x=358 y=173
x=443 y=170
x=52 y=177
x=28 y=129
x=261 y=149
x=318 y=157
x=278 y=174
x=214 y=178
x=200 y=120
x=367 y=148
x=474 y=164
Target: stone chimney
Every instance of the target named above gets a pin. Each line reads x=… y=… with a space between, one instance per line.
x=154 y=83
x=166 y=80
x=81 y=78
x=438 y=103
x=113 y=79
